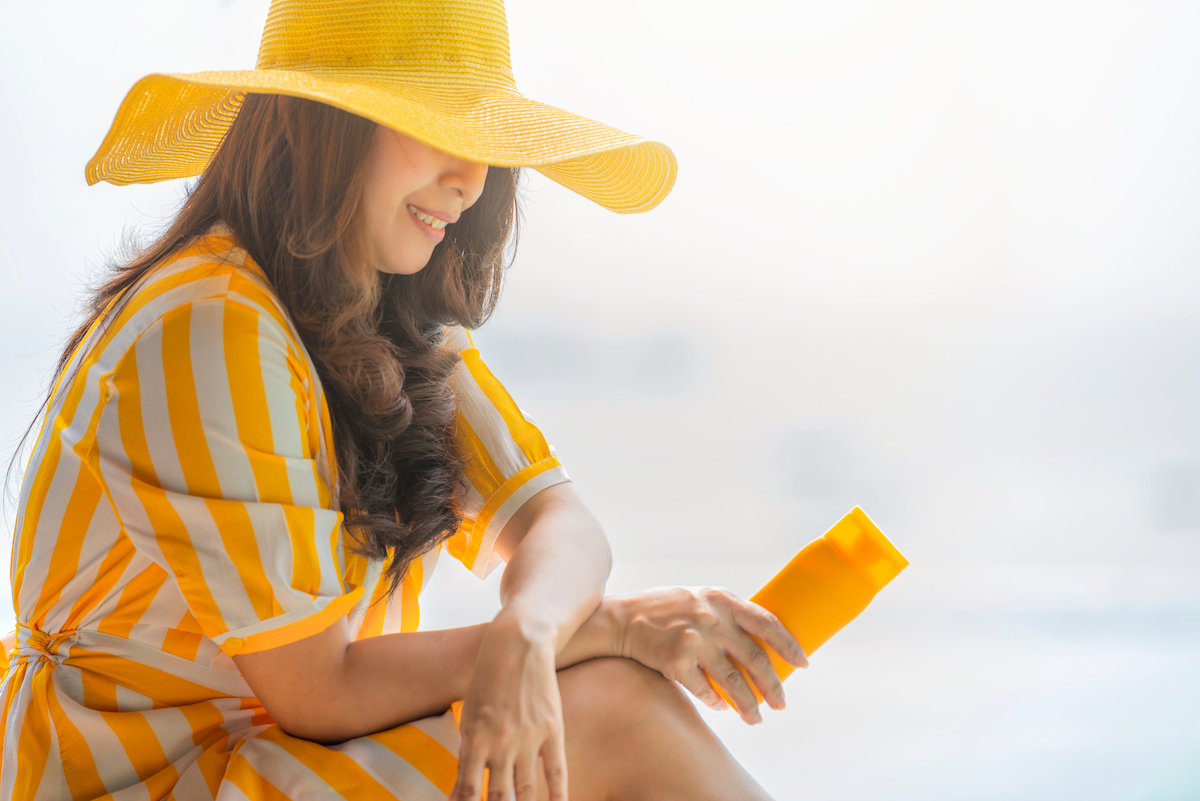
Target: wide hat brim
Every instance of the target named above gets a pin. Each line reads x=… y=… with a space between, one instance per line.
x=169 y=126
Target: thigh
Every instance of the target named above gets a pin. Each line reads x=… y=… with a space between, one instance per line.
x=611 y=709
x=632 y=734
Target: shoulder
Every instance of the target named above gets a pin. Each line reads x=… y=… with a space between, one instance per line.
x=214 y=293
x=213 y=270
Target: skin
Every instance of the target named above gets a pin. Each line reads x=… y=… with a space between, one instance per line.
x=402 y=171
x=562 y=677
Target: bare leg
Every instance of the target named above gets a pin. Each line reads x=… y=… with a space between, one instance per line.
x=631 y=734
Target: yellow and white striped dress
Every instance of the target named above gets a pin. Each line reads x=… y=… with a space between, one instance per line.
x=180 y=508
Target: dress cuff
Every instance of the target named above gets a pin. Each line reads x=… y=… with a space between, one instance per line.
x=289 y=627
x=475 y=541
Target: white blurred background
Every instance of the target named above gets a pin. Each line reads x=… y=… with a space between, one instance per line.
x=937 y=259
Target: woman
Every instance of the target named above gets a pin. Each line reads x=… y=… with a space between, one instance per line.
x=274 y=418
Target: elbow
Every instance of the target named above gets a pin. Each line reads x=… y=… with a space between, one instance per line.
x=303 y=685
x=600 y=551
x=315 y=721
x=604 y=554
x=606 y=559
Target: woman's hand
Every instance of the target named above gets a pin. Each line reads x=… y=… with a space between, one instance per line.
x=685 y=634
x=511 y=715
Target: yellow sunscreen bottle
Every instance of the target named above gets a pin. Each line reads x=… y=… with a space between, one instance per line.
x=826 y=585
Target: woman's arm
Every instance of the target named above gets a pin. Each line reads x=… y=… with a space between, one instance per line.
x=329 y=688
x=558 y=561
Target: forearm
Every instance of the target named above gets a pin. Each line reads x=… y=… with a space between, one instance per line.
x=414 y=675
x=554 y=580
x=329 y=688
x=600 y=635
x=393 y=679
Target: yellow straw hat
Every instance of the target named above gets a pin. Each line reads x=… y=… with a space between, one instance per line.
x=437 y=70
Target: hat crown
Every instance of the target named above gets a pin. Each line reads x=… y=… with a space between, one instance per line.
x=390 y=39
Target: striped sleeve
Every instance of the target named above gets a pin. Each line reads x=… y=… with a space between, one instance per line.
x=209 y=449
x=507 y=460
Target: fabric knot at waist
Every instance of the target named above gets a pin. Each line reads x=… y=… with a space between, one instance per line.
x=33 y=644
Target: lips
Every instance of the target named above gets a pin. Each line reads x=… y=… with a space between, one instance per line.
x=435 y=230
x=436 y=219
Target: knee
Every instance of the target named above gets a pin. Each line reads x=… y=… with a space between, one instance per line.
x=617 y=676
x=612 y=694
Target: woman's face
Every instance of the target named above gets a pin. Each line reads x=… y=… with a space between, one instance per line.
x=412 y=191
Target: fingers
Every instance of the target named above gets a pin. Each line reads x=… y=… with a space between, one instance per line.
x=754 y=631
x=725 y=673
x=504 y=777
x=730 y=639
x=750 y=655
x=468 y=784
x=500 y=782
x=554 y=759
x=764 y=625
x=695 y=681
x=525 y=777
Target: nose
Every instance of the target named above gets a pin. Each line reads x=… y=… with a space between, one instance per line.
x=466 y=178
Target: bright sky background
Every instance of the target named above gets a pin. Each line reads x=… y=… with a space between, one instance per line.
x=937 y=259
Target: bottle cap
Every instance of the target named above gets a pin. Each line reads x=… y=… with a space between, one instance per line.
x=860 y=542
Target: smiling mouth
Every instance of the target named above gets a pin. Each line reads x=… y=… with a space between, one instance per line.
x=431 y=221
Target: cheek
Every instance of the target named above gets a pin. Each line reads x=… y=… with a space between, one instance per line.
x=384 y=190
x=385 y=217
x=398 y=246
x=378 y=209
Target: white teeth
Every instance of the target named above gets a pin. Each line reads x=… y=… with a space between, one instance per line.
x=432 y=222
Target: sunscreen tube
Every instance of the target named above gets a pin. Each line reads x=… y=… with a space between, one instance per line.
x=825 y=586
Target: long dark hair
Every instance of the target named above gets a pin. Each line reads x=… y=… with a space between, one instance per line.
x=287 y=180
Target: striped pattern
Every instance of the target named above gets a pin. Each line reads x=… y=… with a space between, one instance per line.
x=180 y=507
x=437 y=70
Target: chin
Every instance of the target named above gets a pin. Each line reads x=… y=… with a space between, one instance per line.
x=397 y=267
